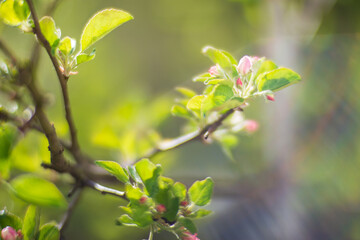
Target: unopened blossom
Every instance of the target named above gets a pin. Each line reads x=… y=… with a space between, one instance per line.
x=189 y=236
x=245 y=65
x=9 y=233
x=239 y=82
x=143 y=199
x=213 y=71
x=251 y=126
x=161 y=208
x=184 y=203
x=270 y=97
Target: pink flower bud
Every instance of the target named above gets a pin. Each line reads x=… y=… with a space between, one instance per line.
x=8 y=233
x=270 y=97
x=161 y=208
x=143 y=199
x=213 y=70
x=239 y=82
x=184 y=203
x=251 y=126
x=189 y=236
x=245 y=65
x=254 y=58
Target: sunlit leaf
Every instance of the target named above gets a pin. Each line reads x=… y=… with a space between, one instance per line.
x=115 y=169
x=9 y=219
x=186 y=92
x=180 y=111
x=277 y=79
x=37 y=191
x=31 y=223
x=84 y=57
x=67 y=45
x=49 y=231
x=200 y=192
x=101 y=24
x=8 y=136
x=149 y=174
x=195 y=103
x=14 y=12
x=179 y=190
x=200 y=213
x=218 y=57
x=188 y=224
x=49 y=30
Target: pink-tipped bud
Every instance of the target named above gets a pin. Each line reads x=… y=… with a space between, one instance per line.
x=161 y=208
x=184 y=203
x=245 y=65
x=251 y=126
x=143 y=200
x=270 y=97
x=239 y=82
x=189 y=236
x=213 y=71
x=8 y=233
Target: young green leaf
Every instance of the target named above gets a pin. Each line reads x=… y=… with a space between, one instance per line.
x=49 y=30
x=218 y=57
x=200 y=213
x=101 y=24
x=126 y=220
x=188 y=224
x=9 y=219
x=37 y=191
x=277 y=79
x=186 y=92
x=266 y=66
x=179 y=191
x=203 y=77
x=84 y=57
x=200 y=192
x=133 y=194
x=49 y=231
x=14 y=12
x=115 y=169
x=195 y=103
x=31 y=223
x=134 y=175
x=67 y=45
x=180 y=111
x=149 y=174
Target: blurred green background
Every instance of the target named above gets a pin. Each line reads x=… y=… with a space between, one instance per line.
x=297 y=177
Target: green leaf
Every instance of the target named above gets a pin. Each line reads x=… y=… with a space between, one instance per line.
x=186 y=92
x=84 y=57
x=31 y=223
x=133 y=194
x=226 y=82
x=179 y=191
x=200 y=213
x=266 y=66
x=37 y=191
x=218 y=97
x=218 y=57
x=115 y=169
x=139 y=215
x=200 y=192
x=203 y=77
x=49 y=30
x=277 y=79
x=126 y=220
x=194 y=104
x=188 y=224
x=67 y=45
x=8 y=136
x=22 y=9
x=149 y=174
x=9 y=219
x=134 y=175
x=14 y=12
x=231 y=58
x=49 y=231
x=101 y=24
x=180 y=111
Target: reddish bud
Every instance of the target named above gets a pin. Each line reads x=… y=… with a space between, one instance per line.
x=8 y=233
x=143 y=199
x=239 y=82
x=184 y=203
x=251 y=126
x=270 y=97
x=213 y=70
x=161 y=208
x=245 y=65
x=189 y=236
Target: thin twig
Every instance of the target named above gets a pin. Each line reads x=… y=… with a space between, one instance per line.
x=194 y=136
x=6 y=50
x=105 y=190
x=65 y=220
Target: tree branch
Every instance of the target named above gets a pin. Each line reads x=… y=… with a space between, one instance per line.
x=202 y=134
x=63 y=83
x=105 y=190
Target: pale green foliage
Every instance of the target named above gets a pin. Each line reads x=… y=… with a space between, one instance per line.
x=115 y=169
x=49 y=231
x=31 y=223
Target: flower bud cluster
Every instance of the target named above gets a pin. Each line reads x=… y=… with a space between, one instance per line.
x=9 y=233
